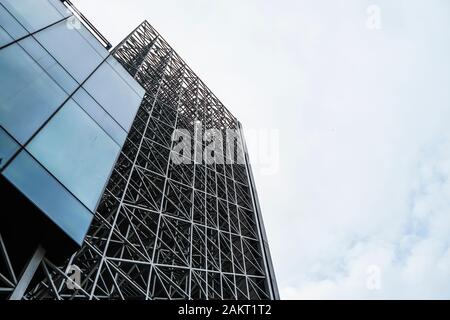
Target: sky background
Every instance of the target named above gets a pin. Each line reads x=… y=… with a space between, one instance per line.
x=360 y=204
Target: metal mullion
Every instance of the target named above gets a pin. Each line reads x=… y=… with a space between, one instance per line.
x=29 y=33
x=55 y=112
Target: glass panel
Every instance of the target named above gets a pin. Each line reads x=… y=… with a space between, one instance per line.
x=49 y=196
x=4 y=37
x=49 y=64
x=114 y=94
x=71 y=49
x=126 y=76
x=8 y=147
x=10 y=29
x=36 y=14
x=100 y=116
x=77 y=152
x=60 y=7
x=86 y=34
x=28 y=96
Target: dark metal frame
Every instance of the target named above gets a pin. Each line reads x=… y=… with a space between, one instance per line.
x=87 y=23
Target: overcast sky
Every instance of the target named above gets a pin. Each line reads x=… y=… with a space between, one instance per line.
x=360 y=204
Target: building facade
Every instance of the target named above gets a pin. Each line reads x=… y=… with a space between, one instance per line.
x=121 y=179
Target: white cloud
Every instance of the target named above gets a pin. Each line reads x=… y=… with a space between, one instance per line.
x=414 y=257
x=363 y=122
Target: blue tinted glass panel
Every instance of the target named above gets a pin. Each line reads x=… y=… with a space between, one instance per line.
x=86 y=34
x=4 y=37
x=100 y=116
x=77 y=152
x=10 y=29
x=126 y=76
x=28 y=96
x=110 y=90
x=36 y=14
x=49 y=196
x=71 y=50
x=8 y=147
x=61 y=8
x=49 y=64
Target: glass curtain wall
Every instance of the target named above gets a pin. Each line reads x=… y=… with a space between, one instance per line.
x=66 y=107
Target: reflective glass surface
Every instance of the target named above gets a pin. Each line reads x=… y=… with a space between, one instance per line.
x=71 y=49
x=28 y=96
x=10 y=29
x=77 y=152
x=36 y=14
x=114 y=94
x=49 y=196
x=7 y=147
x=4 y=37
x=126 y=76
x=93 y=41
x=88 y=104
x=49 y=64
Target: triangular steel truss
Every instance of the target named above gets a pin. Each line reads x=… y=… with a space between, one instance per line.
x=165 y=231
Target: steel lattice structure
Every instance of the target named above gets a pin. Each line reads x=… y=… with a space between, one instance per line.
x=167 y=231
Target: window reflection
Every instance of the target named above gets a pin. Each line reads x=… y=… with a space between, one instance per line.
x=10 y=29
x=28 y=96
x=36 y=14
x=8 y=147
x=114 y=94
x=49 y=64
x=49 y=196
x=125 y=75
x=77 y=152
x=71 y=50
x=88 y=104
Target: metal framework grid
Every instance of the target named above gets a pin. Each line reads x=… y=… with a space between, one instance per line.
x=167 y=231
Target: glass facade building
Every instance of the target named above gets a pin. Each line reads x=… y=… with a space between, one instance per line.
x=86 y=137
x=62 y=127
